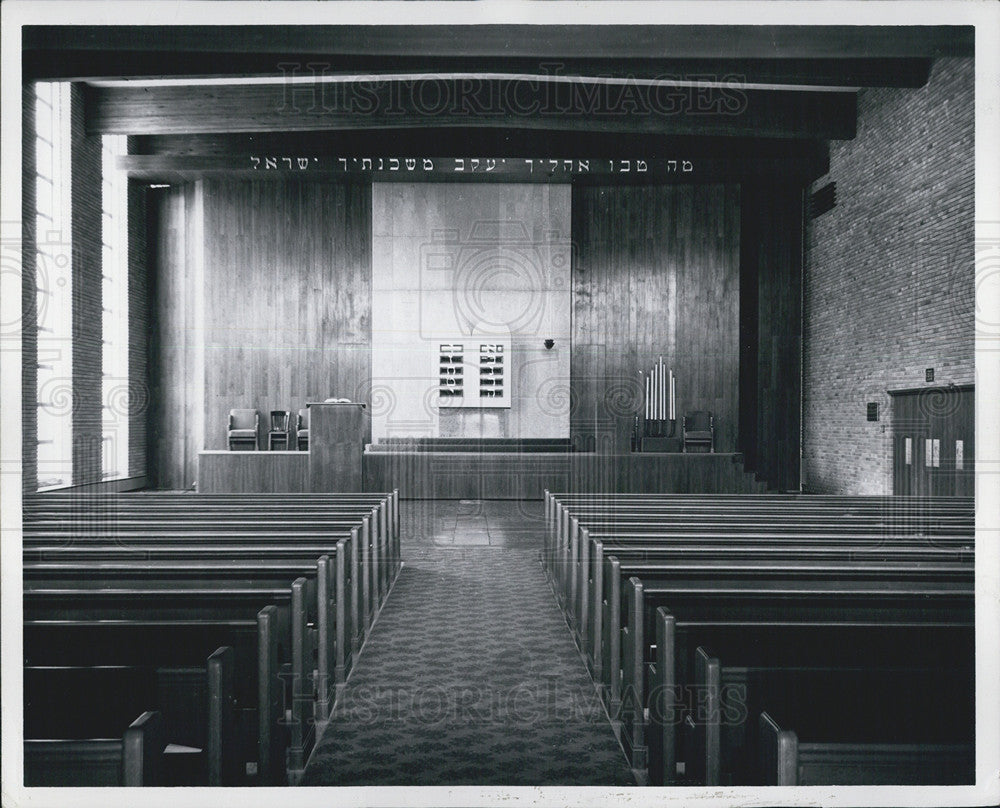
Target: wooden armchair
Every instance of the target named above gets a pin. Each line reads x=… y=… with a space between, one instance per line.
x=699 y=431
x=243 y=428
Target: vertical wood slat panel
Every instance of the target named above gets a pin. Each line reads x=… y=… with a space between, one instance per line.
x=286 y=315
x=655 y=268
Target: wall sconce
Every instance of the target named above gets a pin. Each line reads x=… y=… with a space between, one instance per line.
x=549 y=343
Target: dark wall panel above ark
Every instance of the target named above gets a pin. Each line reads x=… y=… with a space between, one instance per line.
x=656 y=272
x=771 y=333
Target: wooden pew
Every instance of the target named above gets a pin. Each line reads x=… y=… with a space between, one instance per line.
x=263 y=506
x=587 y=620
x=320 y=622
x=344 y=574
x=128 y=612
x=770 y=614
x=173 y=589
x=787 y=761
x=167 y=645
x=901 y=512
x=94 y=548
x=882 y=695
x=568 y=563
x=752 y=599
x=328 y=590
x=567 y=553
x=85 y=508
x=641 y=518
x=88 y=703
x=377 y=568
x=135 y=759
x=902 y=509
x=714 y=553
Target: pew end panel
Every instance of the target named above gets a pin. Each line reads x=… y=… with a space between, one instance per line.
x=633 y=692
x=582 y=592
x=611 y=665
x=703 y=762
x=222 y=747
x=300 y=689
x=271 y=724
x=142 y=751
x=663 y=713
x=778 y=751
x=595 y=654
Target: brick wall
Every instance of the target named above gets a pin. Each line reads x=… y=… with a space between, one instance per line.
x=889 y=285
x=29 y=336
x=87 y=289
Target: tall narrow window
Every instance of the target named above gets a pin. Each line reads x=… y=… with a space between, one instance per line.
x=54 y=281
x=114 y=302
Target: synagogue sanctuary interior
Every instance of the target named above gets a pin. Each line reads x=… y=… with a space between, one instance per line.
x=497 y=405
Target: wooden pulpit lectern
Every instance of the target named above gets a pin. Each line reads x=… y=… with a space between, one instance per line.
x=337 y=434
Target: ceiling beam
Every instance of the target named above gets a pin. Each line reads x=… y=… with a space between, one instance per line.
x=440 y=103
x=506 y=41
x=103 y=66
x=507 y=142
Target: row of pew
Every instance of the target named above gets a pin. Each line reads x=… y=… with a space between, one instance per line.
x=194 y=639
x=775 y=639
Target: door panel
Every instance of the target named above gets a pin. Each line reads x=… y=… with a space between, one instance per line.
x=934 y=442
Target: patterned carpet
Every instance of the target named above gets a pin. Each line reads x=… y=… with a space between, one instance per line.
x=470 y=677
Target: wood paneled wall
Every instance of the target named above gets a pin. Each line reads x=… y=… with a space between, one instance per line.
x=656 y=272
x=288 y=271
x=280 y=314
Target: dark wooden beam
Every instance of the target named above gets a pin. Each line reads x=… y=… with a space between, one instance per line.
x=508 y=142
x=88 y=65
x=441 y=103
x=509 y=40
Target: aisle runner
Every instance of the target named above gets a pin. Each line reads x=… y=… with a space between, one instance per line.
x=470 y=677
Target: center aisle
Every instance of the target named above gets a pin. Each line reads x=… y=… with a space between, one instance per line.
x=470 y=676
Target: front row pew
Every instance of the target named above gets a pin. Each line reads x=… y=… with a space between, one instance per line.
x=374 y=570
x=888 y=701
x=77 y=738
x=787 y=761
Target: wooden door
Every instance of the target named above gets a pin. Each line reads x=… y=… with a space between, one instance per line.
x=934 y=441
